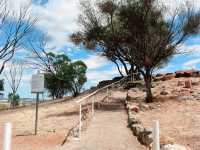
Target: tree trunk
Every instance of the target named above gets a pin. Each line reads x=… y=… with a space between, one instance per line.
x=147 y=79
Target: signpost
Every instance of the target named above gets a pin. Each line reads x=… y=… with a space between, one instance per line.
x=37 y=87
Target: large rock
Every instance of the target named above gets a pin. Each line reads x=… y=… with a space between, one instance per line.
x=145 y=138
x=187 y=73
x=133 y=121
x=174 y=147
x=134 y=108
x=164 y=93
x=137 y=129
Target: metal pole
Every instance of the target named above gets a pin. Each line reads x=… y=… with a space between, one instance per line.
x=80 y=121
x=7 y=136
x=156 y=142
x=36 y=113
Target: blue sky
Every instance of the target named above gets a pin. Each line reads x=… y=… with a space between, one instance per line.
x=58 y=19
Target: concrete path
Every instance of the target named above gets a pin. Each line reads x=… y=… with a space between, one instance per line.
x=108 y=131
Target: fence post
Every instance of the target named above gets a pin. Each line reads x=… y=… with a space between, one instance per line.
x=80 y=121
x=156 y=136
x=93 y=100
x=107 y=94
x=7 y=136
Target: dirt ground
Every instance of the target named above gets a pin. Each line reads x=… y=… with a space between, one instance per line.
x=54 y=122
x=178 y=112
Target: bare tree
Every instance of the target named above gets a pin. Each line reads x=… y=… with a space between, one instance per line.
x=14 y=77
x=15 y=27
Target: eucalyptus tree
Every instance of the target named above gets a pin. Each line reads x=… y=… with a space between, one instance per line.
x=137 y=33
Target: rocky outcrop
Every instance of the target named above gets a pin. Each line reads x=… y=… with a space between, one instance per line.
x=187 y=73
x=164 y=77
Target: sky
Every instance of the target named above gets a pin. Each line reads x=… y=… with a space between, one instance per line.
x=58 y=19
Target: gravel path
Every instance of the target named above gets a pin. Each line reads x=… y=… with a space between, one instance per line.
x=108 y=131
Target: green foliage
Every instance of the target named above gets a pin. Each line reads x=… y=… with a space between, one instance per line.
x=14 y=99
x=78 y=77
x=69 y=76
x=1 y=85
x=136 y=32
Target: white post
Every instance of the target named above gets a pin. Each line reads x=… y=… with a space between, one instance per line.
x=156 y=136
x=93 y=106
x=107 y=94
x=7 y=136
x=80 y=121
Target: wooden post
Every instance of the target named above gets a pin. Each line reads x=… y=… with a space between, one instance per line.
x=36 y=113
x=7 y=136
x=80 y=121
x=156 y=136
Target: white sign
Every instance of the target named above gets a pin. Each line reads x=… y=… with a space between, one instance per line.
x=37 y=83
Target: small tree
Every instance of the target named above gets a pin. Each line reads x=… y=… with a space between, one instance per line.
x=62 y=75
x=14 y=77
x=14 y=99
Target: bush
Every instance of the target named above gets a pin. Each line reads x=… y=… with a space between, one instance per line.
x=14 y=99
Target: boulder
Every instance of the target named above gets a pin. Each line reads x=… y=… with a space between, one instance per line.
x=133 y=121
x=173 y=147
x=164 y=93
x=137 y=129
x=134 y=108
x=145 y=138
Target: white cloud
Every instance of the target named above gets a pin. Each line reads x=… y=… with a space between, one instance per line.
x=96 y=76
x=192 y=63
x=191 y=49
x=58 y=19
x=95 y=61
